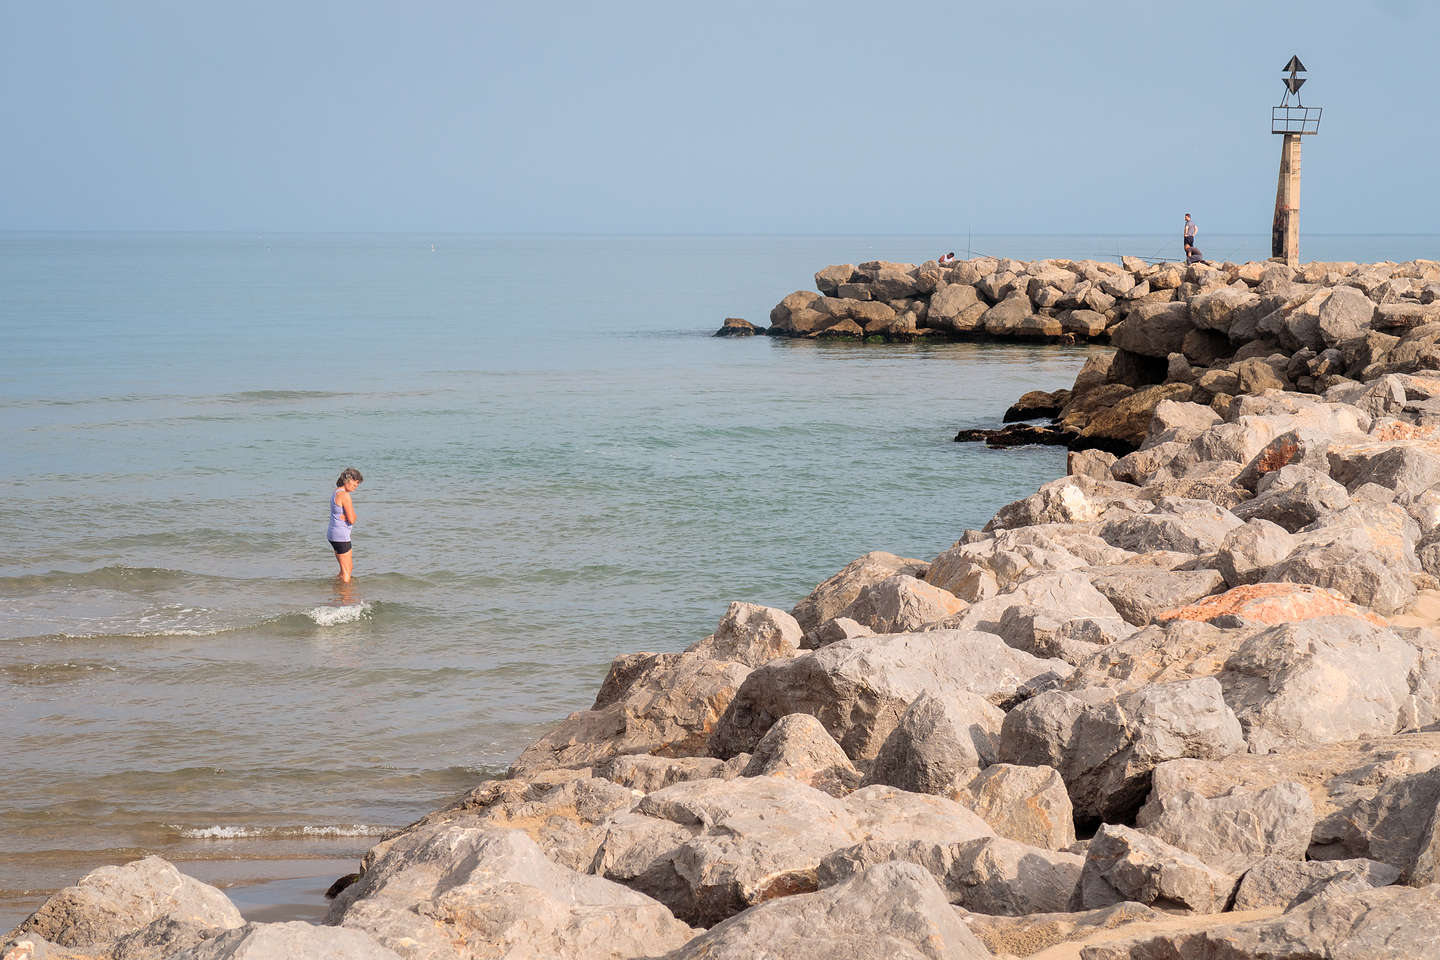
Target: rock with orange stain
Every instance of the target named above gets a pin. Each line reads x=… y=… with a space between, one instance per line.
x=1272 y=603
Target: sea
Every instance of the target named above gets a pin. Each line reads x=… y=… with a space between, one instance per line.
x=561 y=465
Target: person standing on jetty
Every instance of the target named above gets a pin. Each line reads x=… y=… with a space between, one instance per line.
x=1189 y=235
x=342 y=519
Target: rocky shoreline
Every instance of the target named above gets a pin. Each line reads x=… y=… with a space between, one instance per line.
x=1183 y=702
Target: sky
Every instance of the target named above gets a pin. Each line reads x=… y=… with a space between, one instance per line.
x=731 y=117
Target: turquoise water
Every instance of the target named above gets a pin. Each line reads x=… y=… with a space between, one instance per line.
x=561 y=465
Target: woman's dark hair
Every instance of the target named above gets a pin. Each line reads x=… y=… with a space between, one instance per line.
x=349 y=473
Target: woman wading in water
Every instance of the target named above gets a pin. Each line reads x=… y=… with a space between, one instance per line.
x=342 y=518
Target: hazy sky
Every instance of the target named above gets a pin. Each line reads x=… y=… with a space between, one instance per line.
x=740 y=117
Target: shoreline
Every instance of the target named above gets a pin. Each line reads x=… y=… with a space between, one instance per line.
x=1222 y=615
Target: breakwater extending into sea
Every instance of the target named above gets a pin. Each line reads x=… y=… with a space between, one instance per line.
x=1093 y=655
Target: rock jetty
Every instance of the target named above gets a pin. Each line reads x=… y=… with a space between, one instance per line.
x=1183 y=702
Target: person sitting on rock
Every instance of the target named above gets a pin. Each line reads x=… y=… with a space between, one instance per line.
x=1193 y=254
x=946 y=259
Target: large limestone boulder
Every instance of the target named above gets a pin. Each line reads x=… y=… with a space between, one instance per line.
x=1154 y=329
x=831 y=597
x=117 y=901
x=1372 y=798
x=1327 y=679
x=1233 y=831
x=752 y=635
x=1360 y=552
x=799 y=747
x=709 y=849
x=1106 y=746
x=296 y=940
x=562 y=810
x=1193 y=527
x=955 y=307
x=1345 y=315
x=1249 y=550
x=1124 y=425
x=669 y=709
x=469 y=892
x=828 y=280
x=1125 y=864
x=1007 y=316
x=901 y=604
x=987 y=875
x=938 y=745
x=860 y=688
x=1345 y=924
x=1293 y=498
x=1028 y=804
x=893 y=911
x=1277 y=881
x=1141 y=593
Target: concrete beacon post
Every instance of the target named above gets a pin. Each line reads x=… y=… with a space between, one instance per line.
x=1293 y=121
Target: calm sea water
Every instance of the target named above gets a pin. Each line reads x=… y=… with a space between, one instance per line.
x=561 y=465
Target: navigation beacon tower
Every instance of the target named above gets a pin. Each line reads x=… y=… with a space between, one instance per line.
x=1293 y=121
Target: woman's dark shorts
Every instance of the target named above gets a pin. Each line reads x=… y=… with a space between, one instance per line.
x=341 y=546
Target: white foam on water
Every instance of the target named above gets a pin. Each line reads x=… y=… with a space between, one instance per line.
x=331 y=616
x=244 y=832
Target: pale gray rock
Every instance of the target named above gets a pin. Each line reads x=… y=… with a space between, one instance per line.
x=710 y=849
x=1406 y=466
x=1070 y=592
x=893 y=911
x=987 y=875
x=114 y=901
x=561 y=810
x=1028 y=804
x=828 y=280
x=938 y=744
x=1105 y=746
x=642 y=772
x=1301 y=447
x=1196 y=530
x=1048 y=633
x=1060 y=501
x=1125 y=864
x=1345 y=315
x=752 y=635
x=1007 y=315
x=1424 y=868
x=951 y=306
x=1248 y=551
x=836 y=629
x=859 y=688
x=839 y=591
x=1233 y=831
x=1373 y=924
x=454 y=891
x=1363 y=554
x=1294 y=497
x=1213 y=310
x=799 y=747
x=901 y=604
x=1182 y=422
x=670 y=709
x=1276 y=881
x=296 y=940
x=1090 y=463
x=1154 y=329
x=1138 y=592
x=1328 y=679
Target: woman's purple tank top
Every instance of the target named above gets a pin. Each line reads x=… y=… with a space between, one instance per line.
x=339 y=530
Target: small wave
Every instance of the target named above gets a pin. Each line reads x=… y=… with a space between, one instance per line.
x=251 y=396
x=245 y=832
x=327 y=616
x=115 y=577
